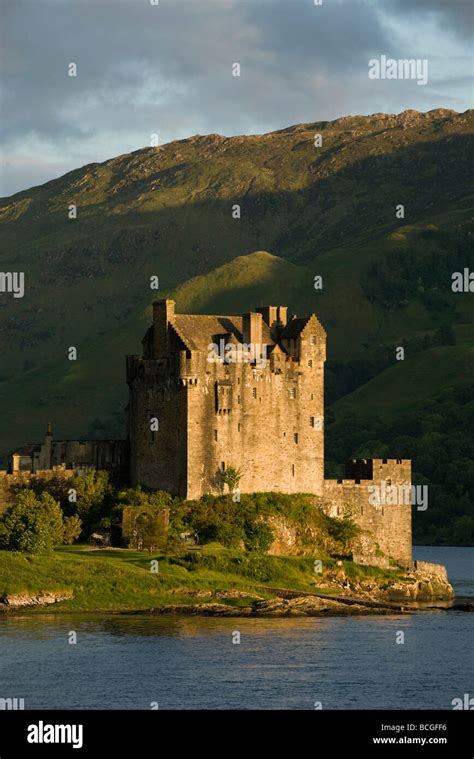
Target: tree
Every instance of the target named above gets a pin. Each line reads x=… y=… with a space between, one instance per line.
x=230 y=477
x=72 y=529
x=93 y=497
x=33 y=524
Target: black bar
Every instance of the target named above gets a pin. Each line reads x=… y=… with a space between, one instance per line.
x=131 y=733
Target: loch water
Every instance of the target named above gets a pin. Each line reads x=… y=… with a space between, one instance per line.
x=131 y=662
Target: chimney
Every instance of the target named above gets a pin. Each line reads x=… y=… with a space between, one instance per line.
x=282 y=316
x=163 y=316
x=269 y=314
x=252 y=332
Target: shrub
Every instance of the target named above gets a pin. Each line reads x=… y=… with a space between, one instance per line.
x=33 y=524
x=72 y=529
x=258 y=536
x=342 y=530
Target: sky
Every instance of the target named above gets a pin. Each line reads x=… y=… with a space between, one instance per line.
x=165 y=67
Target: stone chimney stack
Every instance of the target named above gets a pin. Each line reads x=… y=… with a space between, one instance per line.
x=163 y=316
x=269 y=314
x=252 y=332
x=282 y=315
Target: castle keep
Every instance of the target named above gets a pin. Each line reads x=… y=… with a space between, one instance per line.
x=257 y=406
x=247 y=392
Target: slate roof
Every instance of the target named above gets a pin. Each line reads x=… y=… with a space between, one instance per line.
x=294 y=327
x=199 y=331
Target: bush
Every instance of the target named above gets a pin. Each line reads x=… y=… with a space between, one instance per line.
x=258 y=536
x=33 y=524
x=72 y=529
x=343 y=530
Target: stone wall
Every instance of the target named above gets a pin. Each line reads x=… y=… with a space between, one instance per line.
x=265 y=431
x=390 y=524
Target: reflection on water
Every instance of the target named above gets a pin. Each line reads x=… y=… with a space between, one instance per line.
x=129 y=661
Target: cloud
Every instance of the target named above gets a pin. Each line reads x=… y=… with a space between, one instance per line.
x=455 y=15
x=144 y=69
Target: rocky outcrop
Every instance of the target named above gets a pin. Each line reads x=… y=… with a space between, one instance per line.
x=287 y=603
x=425 y=582
x=24 y=600
x=317 y=606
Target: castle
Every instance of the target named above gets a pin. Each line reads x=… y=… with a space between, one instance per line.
x=212 y=393
x=247 y=392
x=256 y=406
x=69 y=454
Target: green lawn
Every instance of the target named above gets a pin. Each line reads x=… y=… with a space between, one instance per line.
x=110 y=580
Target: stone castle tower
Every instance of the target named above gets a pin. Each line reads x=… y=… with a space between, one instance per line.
x=212 y=392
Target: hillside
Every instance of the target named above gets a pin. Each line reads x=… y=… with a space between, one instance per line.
x=326 y=211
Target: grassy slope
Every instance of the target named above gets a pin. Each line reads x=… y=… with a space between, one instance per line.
x=121 y=580
x=412 y=380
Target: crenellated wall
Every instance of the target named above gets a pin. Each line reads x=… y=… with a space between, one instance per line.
x=380 y=504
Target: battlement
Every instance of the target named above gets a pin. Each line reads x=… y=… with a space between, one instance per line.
x=378 y=469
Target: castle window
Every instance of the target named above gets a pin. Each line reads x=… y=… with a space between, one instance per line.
x=295 y=437
x=254 y=392
x=389 y=482
x=313 y=339
x=238 y=427
x=310 y=363
x=311 y=421
x=238 y=399
x=293 y=392
x=293 y=470
x=223 y=397
x=215 y=434
x=223 y=466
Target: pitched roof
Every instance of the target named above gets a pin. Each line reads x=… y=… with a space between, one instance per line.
x=199 y=331
x=295 y=327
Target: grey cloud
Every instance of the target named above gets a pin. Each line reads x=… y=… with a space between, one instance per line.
x=455 y=15
x=167 y=68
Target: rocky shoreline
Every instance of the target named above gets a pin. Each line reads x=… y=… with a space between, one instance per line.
x=422 y=587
